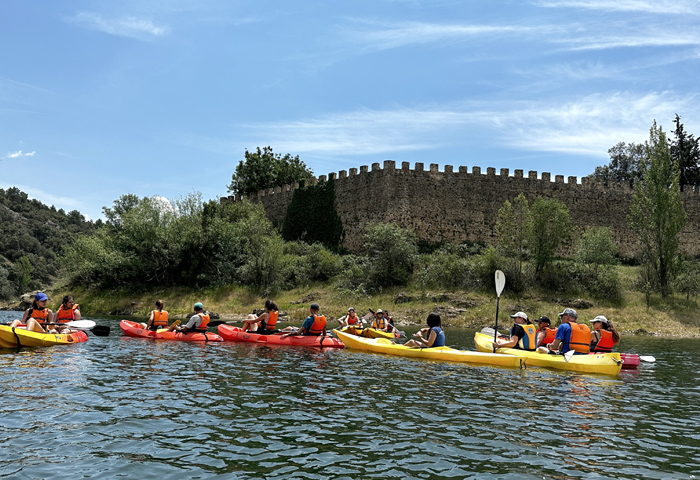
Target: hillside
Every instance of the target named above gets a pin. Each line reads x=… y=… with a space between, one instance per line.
x=36 y=233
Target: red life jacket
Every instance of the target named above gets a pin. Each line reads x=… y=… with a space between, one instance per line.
x=65 y=316
x=353 y=320
x=160 y=318
x=580 y=338
x=549 y=338
x=271 y=320
x=318 y=327
x=605 y=344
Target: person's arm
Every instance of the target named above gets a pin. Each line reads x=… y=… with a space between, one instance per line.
x=191 y=324
x=431 y=339
x=76 y=313
x=554 y=346
x=25 y=316
x=150 y=320
x=49 y=316
x=540 y=338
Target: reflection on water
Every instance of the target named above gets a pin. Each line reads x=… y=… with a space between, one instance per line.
x=117 y=406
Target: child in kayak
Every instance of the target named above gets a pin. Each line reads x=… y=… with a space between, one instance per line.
x=350 y=319
x=197 y=323
x=436 y=338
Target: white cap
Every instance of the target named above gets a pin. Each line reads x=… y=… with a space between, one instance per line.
x=520 y=314
x=600 y=318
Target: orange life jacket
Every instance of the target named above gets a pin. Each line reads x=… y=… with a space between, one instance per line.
x=379 y=323
x=66 y=315
x=551 y=333
x=271 y=322
x=318 y=327
x=580 y=338
x=605 y=344
x=39 y=315
x=353 y=320
x=205 y=321
x=160 y=318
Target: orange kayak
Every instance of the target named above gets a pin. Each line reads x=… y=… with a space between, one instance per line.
x=235 y=334
x=134 y=329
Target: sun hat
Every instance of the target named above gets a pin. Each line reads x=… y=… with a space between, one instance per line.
x=380 y=311
x=40 y=297
x=198 y=306
x=544 y=319
x=314 y=306
x=570 y=312
x=520 y=314
x=600 y=318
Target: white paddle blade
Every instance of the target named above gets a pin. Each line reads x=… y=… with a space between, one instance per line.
x=81 y=324
x=647 y=358
x=500 y=282
x=569 y=354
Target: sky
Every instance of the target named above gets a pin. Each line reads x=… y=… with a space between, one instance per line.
x=152 y=97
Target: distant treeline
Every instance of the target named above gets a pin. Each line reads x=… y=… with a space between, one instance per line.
x=33 y=236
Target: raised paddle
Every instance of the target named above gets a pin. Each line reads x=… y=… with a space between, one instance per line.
x=500 y=283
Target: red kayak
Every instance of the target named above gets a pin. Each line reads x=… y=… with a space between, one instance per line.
x=629 y=360
x=235 y=334
x=134 y=329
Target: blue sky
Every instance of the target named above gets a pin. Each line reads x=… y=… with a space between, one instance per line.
x=103 y=98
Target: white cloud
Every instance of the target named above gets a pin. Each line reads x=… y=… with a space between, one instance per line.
x=132 y=27
x=588 y=125
x=19 y=154
x=678 y=7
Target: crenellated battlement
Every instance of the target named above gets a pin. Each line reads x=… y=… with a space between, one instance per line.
x=462 y=204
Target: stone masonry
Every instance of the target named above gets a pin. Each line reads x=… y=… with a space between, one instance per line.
x=460 y=205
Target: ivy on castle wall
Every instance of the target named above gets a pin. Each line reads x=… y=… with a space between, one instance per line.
x=312 y=217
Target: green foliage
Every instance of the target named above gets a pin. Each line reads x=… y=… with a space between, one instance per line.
x=685 y=151
x=549 y=229
x=33 y=231
x=392 y=253
x=446 y=270
x=310 y=263
x=688 y=278
x=490 y=261
x=23 y=269
x=512 y=230
x=596 y=248
x=656 y=212
x=572 y=278
x=624 y=164
x=7 y=289
x=312 y=217
x=264 y=169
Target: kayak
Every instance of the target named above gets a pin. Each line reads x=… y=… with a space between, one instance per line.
x=19 y=337
x=629 y=360
x=386 y=346
x=606 y=363
x=134 y=329
x=367 y=332
x=236 y=334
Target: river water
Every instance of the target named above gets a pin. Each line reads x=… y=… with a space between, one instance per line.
x=134 y=408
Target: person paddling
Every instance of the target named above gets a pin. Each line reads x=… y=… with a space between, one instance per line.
x=197 y=323
x=604 y=336
x=350 y=319
x=523 y=334
x=37 y=317
x=436 y=335
x=314 y=324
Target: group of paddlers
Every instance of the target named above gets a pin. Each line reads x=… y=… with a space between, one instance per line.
x=569 y=336
x=39 y=318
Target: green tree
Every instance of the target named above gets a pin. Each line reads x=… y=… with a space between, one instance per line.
x=596 y=248
x=623 y=166
x=511 y=229
x=23 y=269
x=656 y=212
x=312 y=216
x=264 y=169
x=392 y=251
x=685 y=151
x=549 y=229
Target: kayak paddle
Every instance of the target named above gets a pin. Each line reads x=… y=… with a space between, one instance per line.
x=500 y=283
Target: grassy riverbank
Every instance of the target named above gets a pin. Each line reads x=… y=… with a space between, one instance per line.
x=671 y=317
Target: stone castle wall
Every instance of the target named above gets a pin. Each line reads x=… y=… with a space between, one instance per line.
x=461 y=205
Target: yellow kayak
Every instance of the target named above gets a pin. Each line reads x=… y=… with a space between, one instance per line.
x=386 y=346
x=367 y=332
x=9 y=338
x=606 y=363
